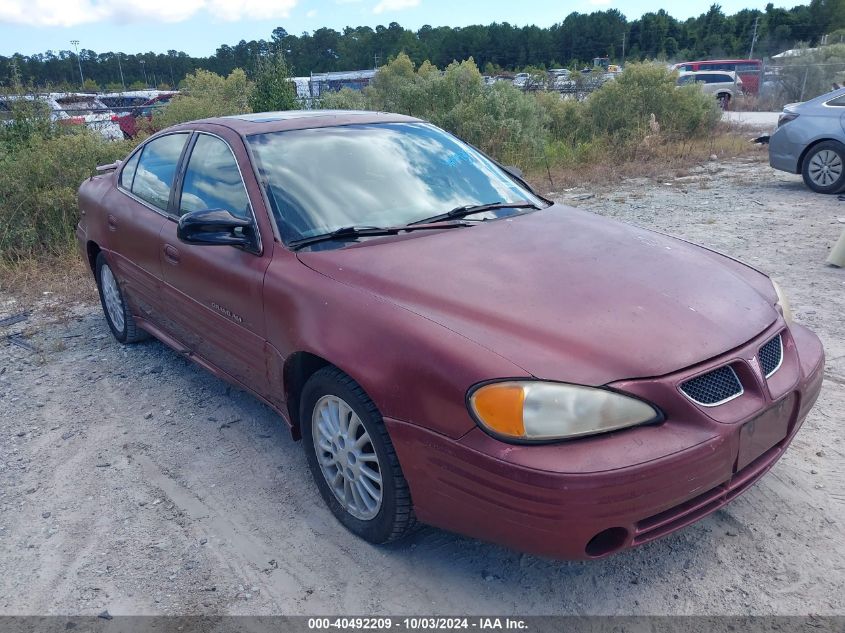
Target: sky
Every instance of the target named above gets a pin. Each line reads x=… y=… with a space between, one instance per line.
x=198 y=27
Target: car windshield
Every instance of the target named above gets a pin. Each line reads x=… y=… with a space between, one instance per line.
x=389 y=174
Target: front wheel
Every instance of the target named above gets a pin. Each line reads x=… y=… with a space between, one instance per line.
x=724 y=101
x=352 y=459
x=823 y=168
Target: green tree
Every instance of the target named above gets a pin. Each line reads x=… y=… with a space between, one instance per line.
x=273 y=88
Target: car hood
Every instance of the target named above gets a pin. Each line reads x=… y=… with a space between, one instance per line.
x=565 y=294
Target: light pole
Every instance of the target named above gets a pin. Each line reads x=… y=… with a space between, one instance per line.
x=79 y=62
x=144 y=70
x=120 y=68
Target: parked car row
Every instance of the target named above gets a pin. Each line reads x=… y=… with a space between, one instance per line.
x=113 y=115
x=131 y=106
x=559 y=79
x=69 y=109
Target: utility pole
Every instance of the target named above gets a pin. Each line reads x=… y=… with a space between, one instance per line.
x=623 y=47
x=79 y=62
x=144 y=70
x=120 y=68
x=754 y=37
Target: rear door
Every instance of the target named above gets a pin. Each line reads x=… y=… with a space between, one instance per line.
x=215 y=292
x=137 y=211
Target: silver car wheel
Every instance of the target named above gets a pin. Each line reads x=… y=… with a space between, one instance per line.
x=112 y=298
x=825 y=168
x=347 y=457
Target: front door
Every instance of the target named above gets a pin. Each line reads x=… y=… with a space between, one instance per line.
x=215 y=292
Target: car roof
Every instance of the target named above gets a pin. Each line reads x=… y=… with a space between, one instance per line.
x=263 y=122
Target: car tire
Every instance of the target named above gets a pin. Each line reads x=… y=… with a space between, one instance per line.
x=724 y=100
x=331 y=402
x=120 y=320
x=830 y=155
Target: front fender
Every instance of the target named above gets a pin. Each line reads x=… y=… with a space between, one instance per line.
x=413 y=369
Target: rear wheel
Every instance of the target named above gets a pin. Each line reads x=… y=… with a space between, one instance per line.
x=724 y=100
x=823 y=168
x=120 y=320
x=352 y=458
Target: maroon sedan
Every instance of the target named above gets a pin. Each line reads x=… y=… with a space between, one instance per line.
x=450 y=346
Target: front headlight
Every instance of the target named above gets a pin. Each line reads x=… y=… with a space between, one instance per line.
x=542 y=411
x=783 y=303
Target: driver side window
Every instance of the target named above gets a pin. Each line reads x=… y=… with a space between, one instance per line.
x=213 y=181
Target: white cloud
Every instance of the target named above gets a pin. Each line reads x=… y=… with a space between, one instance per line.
x=311 y=14
x=73 y=12
x=394 y=5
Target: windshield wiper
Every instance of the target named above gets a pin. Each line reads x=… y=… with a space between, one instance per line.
x=366 y=231
x=469 y=209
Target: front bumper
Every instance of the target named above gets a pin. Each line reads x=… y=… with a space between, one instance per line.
x=590 y=497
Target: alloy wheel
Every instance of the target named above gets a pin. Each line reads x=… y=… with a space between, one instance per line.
x=112 y=298
x=825 y=167
x=347 y=457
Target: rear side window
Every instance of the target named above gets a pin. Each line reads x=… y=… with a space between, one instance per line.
x=128 y=173
x=157 y=168
x=713 y=78
x=212 y=180
x=839 y=101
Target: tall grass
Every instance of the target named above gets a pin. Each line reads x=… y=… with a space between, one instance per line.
x=39 y=177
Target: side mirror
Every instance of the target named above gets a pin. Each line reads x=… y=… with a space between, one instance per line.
x=215 y=227
x=513 y=171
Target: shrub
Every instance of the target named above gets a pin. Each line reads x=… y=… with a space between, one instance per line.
x=530 y=129
x=501 y=120
x=206 y=94
x=29 y=118
x=39 y=181
x=621 y=109
x=345 y=99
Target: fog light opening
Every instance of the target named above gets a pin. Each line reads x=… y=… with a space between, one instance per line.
x=606 y=541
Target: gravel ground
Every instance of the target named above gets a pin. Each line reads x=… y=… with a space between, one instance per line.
x=133 y=481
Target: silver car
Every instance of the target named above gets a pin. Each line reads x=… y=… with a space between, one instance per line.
x=725 y=85
x=810 y=140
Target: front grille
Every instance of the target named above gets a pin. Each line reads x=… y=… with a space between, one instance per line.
x=771 y=356
x=712 y=388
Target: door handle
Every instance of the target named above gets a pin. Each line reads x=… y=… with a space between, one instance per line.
x=171 y=254
x=112 y=222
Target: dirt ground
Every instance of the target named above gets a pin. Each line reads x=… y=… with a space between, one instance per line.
x=133 y=481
